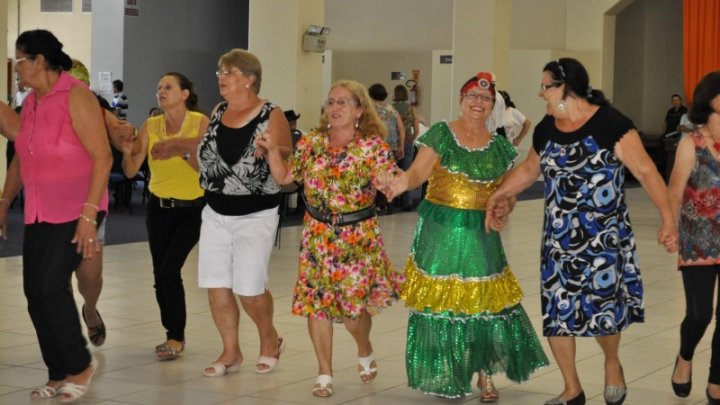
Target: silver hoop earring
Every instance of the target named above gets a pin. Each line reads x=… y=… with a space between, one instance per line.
x=561 y=106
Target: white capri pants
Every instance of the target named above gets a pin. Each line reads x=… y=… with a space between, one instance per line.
x=235 y=250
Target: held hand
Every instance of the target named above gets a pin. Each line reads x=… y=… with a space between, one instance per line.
x=163 y=150
x=121 y=132
x=264 y=144
x=398 y=184
x=496 y=213
x=516 y=142
x=86 y=239
x=668 y=237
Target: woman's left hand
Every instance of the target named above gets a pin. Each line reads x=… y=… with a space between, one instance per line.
x=264 y=144
x=668 y=237
x=163 y=150
x=86 y=238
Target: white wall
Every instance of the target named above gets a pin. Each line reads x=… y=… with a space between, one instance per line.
x=441 y=84
x=107 y=35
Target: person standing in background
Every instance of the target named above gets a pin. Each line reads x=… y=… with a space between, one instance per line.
x=674 y=114
x=410 y=123
x=515 y=123
x=120 y=101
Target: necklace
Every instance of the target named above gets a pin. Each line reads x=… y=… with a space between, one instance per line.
x=180 y=129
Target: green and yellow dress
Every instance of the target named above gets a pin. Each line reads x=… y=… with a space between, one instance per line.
x=465 y=312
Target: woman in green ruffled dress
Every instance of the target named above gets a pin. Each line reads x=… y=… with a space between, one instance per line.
x=465 y=312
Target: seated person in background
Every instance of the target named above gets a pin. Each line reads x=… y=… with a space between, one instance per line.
x=292 y=118
x=672 y=117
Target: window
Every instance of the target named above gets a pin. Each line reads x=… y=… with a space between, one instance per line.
x=87 y=6
x=56 y=6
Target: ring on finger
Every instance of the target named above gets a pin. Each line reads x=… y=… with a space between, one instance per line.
x=91 y=240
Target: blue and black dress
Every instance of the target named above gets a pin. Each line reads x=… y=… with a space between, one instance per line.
x=590 y=279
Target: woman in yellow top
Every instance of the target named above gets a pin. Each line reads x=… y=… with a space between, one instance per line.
x=169 y=141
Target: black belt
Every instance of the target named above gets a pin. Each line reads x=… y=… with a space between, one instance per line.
x=341 y=218
x=175 y=203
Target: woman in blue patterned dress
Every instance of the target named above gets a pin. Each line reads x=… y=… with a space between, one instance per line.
x=590 y=279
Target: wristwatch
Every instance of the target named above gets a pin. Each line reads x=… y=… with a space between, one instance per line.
x=186 y=156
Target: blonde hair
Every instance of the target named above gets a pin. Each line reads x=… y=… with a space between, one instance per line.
x=80 y=72
x=369 y=123
x=248 y=64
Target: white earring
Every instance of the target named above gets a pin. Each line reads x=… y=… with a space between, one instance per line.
x=247 y=86
x=357 y=123
x=561 y=106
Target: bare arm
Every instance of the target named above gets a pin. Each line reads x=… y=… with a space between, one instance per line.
x=277 y=144
x=9 y=122
x=632 y=154
x=416 y=175
x=134 y=152
x=523 y=132
x=181 y=147
x=90 y=128
x=401 y=134
x=684 y=163
x=416 y=124
x=13 y=184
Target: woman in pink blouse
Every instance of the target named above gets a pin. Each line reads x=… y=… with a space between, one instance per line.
x=65 y=161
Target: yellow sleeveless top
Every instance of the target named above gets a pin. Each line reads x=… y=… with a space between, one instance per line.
x=174 y=177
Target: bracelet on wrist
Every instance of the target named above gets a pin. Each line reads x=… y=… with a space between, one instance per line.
x=88 y=219
x=92 y=206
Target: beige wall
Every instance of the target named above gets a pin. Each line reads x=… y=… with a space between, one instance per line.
x=72 y=29
x=369 y=67
x=292 y=78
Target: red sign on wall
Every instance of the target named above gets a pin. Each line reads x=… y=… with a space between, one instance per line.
x=132 y=8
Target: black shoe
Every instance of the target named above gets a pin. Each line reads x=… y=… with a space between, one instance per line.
x=681 y=390
x=578 y=400
x=711 y=400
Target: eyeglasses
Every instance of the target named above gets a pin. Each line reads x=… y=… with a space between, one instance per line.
x=223 y=72
x=341 y=102
x=544 y=86
x=23 y=59
x=476 y=96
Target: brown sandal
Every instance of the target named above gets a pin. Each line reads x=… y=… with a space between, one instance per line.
x=96 y=334
x=488 y=393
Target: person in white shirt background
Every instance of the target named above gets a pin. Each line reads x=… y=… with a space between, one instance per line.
x=515 y=123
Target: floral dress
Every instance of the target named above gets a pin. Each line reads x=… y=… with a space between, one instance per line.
x=343 y=270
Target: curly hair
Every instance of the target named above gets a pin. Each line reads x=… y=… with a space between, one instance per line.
x=369 y=123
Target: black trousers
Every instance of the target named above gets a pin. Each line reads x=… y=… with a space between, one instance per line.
x=699 y=283
x=49 y=260
x=172 y=234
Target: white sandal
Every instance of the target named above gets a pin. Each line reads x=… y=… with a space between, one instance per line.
x=368 y=373
x=70 y=391
x=219 y=369
x=269 y=361
x=43 y=392
x=323 y=387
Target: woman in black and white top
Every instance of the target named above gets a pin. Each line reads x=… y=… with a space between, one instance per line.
x=241 y=215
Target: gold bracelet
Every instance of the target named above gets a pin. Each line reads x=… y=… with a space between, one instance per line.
x=88 y=205
x=88 y=219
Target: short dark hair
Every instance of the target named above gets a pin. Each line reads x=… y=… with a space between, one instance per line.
x=705 y=92
x=675 y=95
x=377 y=92
x=43 y=42
x=118 y=84
x=573 y=74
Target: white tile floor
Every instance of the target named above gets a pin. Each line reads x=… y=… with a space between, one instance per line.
x=130 y=374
